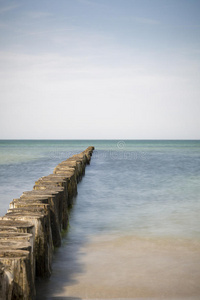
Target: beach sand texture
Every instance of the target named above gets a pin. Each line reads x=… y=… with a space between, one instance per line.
x=110 y=267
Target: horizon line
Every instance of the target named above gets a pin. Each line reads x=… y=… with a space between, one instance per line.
x=114 y=139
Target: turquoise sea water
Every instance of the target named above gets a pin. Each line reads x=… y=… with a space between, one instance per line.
x=22 y=162
x=140 y=188
x=150 y=187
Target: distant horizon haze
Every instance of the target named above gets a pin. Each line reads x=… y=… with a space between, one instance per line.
x=100 y=69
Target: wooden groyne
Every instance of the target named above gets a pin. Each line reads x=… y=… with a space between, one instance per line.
x=32 y=228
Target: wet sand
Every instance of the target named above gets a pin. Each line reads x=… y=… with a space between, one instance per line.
x=135 y=268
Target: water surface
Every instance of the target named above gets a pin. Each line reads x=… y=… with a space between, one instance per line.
x=134 y=228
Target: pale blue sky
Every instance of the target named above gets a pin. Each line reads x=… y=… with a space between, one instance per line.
x=100 y=69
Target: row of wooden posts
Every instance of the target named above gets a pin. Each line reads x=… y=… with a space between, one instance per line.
x=32 y=228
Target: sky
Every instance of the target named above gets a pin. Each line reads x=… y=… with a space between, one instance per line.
x=100 y=69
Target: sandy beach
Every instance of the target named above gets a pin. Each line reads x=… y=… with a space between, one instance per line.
x=131 y=267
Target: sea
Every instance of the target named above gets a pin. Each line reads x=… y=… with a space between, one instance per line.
x=134 y=228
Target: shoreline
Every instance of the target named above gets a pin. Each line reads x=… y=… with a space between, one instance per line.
x=128 y=267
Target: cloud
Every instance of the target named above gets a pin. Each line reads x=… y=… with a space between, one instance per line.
x=92 y=3
x=146 y=21
x=66 y=91
x=62 y=73
x=45 y=32
x=38 y=14
x=9 y=8
x=87 y=2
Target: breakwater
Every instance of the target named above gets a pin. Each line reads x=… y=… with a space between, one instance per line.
x=32 y=228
